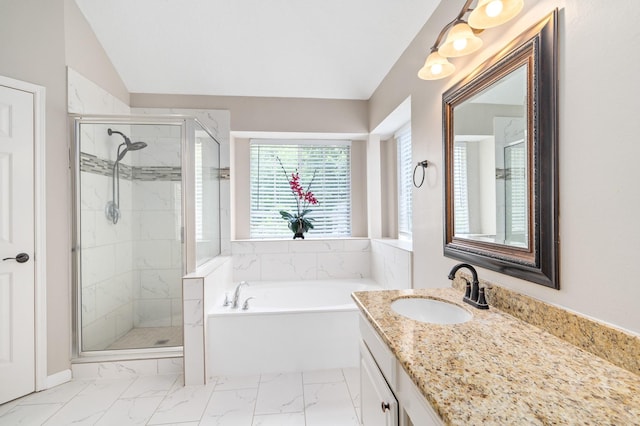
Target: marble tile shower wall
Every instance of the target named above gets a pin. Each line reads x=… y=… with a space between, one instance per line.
x=301 y=260
x=131 y=270
x=106 y=251
x=144 y=283
x=86 y=97
x=219 y=123
x=157 y=213
x=107 y=266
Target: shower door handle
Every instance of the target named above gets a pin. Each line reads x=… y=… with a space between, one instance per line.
x=20 y=258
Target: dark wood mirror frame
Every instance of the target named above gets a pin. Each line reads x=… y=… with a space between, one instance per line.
x=539 y=261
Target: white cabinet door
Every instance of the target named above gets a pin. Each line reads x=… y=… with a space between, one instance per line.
x=379 y=406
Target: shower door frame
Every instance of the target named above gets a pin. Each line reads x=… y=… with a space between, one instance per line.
x=188 y=224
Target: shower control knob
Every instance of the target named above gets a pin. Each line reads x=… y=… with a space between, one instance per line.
x=20 y=258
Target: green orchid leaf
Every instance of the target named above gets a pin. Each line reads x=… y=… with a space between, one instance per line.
x=286 y=215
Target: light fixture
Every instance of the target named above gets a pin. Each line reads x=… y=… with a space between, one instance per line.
x=461 y=39
x=491 y=13
x=436 y=67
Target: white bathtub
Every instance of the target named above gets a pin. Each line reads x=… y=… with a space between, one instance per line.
x=289 y=326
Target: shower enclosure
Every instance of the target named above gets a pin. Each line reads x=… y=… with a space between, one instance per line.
x=146 y=212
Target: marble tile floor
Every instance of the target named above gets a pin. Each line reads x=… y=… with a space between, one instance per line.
x=149 y=337
x=313 y=398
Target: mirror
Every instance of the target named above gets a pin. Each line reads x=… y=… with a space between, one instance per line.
x=501 y=161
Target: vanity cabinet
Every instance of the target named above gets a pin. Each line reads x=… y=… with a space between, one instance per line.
x=383 y=381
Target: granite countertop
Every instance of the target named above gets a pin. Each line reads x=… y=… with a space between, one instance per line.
x=496 y=369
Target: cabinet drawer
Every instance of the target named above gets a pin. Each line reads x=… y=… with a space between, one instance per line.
x=380 y=351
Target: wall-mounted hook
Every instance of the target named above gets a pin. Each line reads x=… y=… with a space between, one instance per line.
x=424 y=165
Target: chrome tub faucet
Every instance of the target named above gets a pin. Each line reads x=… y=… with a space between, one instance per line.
x=236 y=294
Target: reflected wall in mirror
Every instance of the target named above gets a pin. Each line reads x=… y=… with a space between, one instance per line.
x=501 y=161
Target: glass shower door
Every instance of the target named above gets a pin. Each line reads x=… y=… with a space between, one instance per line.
x=129 y=239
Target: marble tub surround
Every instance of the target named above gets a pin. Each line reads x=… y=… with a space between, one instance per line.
x=392 y=263
x=617 y=346
x=497 y=369
x=387 y=262
x=291 y=260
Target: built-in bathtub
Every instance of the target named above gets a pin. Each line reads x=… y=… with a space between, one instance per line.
x=289 y=326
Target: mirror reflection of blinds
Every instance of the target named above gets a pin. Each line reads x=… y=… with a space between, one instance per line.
x=270 y=191
x=460 y=189
x=516 y=193
x=405 y=170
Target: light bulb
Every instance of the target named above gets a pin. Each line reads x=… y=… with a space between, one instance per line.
x=460 y=44
x=494 y=8
x=436 y=69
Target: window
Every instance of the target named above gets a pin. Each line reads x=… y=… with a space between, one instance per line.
x=270 y=191
x=405 y=180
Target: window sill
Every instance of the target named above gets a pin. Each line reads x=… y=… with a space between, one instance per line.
x=253 y=240
x=405 y=245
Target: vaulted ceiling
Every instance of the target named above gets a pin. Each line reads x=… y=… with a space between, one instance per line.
x=339 y=49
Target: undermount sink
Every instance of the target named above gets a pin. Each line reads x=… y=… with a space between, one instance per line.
x=430 y=311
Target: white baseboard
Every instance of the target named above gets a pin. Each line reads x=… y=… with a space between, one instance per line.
x=59 y=378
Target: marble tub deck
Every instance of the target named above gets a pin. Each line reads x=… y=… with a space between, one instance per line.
x=496 y=369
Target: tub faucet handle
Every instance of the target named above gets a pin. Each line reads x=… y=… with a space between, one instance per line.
x=227 y=302
x=245 y=305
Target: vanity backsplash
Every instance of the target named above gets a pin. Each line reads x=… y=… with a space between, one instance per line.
x=619 y=347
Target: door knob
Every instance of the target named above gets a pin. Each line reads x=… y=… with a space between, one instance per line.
x=20 y=258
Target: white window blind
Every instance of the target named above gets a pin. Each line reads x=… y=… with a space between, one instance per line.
x=405 y=180
x=460 y=189
x=270 y=191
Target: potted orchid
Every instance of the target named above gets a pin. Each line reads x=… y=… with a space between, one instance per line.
x=298 y=222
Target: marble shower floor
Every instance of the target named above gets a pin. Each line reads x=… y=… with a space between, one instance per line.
x=149 y=337
x=313 y=398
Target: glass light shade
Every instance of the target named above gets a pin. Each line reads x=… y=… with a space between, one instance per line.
x=436 y=67
x=491 y=13
x=460 y=41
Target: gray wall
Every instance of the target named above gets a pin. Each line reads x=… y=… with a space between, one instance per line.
x=32 y=46
x=272 y=114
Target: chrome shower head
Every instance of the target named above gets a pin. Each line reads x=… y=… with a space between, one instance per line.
x=129 y=146
x=136 y=146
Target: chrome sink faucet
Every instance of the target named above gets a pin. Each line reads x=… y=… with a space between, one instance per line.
x=236 y=294
x=473 y=295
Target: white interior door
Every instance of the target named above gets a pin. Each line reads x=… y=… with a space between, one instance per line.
x=17 y=272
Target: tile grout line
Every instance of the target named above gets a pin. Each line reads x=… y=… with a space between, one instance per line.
x=304 y=400
x=63 y=404
x=353 y=403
